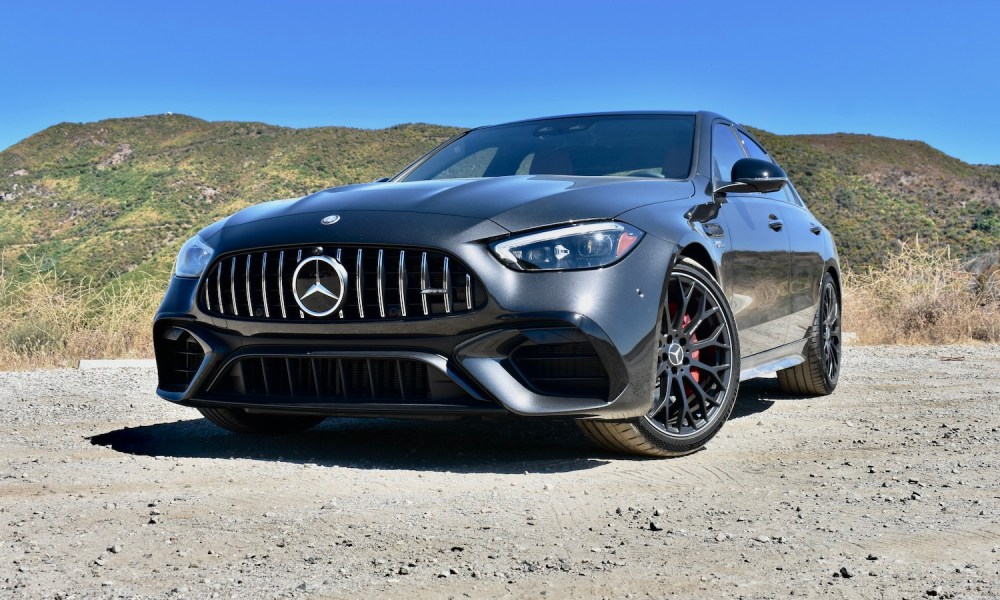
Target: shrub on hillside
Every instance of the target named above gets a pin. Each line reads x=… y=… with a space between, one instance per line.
x=923 y=295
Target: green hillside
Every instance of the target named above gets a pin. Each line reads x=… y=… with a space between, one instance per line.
x=119 y=196
x=107 y=198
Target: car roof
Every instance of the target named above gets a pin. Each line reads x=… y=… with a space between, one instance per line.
x=704 y=114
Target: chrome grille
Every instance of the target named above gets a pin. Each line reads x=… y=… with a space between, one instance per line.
x=383 y=283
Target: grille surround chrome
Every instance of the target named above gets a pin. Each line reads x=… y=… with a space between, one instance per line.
x=395 y=283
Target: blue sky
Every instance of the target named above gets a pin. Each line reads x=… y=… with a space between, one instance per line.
x=914 y=70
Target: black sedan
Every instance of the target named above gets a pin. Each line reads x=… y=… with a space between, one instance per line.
x=626 y=270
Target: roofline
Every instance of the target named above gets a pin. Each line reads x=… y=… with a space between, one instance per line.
x=702 y=113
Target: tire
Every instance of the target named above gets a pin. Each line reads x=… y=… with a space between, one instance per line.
x=818 y=375
x=698 y=357
x=241 y=421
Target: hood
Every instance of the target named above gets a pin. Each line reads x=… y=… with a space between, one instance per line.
x=514 y=202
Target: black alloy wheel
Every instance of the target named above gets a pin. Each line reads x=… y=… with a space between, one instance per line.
x=818 y=375
x=696 y=372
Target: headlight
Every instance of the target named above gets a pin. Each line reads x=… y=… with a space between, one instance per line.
x=193 y=258
x=574 y=247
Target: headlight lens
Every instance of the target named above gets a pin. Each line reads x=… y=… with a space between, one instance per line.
x=584 y=246
x=193 y=258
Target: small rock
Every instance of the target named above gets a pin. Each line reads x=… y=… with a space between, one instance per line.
x=403 y=571
x=721 y=537
x=846 y=573
x=763 y=539
x=872 y=557
x=115 y=548
x=934 y=591
x=654 y=526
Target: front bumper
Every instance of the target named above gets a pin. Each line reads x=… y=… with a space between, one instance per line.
x=474 y=361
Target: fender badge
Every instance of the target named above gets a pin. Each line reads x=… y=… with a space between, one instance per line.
x=330 y=220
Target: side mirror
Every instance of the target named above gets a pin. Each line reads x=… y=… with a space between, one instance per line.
x=754 y=175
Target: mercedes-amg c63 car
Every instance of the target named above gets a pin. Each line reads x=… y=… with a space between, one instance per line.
x=626 y=270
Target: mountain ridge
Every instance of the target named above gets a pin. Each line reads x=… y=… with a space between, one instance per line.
x=118 y=196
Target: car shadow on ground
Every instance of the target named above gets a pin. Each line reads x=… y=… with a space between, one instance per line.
x=505 y=445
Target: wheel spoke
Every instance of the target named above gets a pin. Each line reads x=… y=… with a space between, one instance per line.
x=663 y=392
x=832 y=315
x=702 y=397
x=711 y=340
x=711 y=370
x=694 y=325
x=678 y=326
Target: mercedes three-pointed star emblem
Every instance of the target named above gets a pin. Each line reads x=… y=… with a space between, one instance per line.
x=675 y=354
x=319 y=284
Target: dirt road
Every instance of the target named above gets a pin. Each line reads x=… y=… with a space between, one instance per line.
x=889 y=488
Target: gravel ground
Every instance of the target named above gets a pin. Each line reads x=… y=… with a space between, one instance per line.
x=889 y=488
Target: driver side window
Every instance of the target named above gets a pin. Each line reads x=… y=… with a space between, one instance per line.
x=726 y=150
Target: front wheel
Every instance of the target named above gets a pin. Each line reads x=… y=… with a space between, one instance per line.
x=241 y=421
x=696 y=374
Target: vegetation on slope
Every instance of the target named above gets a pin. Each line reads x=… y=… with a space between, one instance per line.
x=875 y=193
x=91 y=216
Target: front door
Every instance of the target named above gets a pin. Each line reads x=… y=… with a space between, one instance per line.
x=757 y=267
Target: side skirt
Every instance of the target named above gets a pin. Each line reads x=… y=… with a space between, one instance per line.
x=773 y=360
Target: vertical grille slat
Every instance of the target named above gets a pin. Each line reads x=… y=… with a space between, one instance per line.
x=402 y=282
x=218 y=289
x=381 y=284
x=263 y=286
x=232 y=288
x=359 y=284
x=340 y=312
x=250 y=310
x=446 y=277
x=424 y=282
x=298 y=259
x=468 y=292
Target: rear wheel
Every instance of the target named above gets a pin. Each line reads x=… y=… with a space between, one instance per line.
x=696 y=372
x=819 y=374
x=241 y=421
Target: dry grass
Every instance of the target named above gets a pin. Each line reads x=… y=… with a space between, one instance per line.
x=923 y=295
x=49 y=321
x=920 y=295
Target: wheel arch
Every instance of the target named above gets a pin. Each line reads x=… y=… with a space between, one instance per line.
x=700 y=255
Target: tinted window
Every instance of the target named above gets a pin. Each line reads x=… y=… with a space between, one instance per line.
x=753 y=149
x=726 y=150
x=658 y=146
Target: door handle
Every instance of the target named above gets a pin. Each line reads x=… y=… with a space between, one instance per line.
x=816 y=229
x=775 y=223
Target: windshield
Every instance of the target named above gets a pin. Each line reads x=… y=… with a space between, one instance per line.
x=609 y=145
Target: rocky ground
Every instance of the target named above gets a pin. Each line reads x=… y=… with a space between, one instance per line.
x=889 y=488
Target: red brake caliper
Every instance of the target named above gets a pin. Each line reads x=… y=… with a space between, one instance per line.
x=695 y=355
